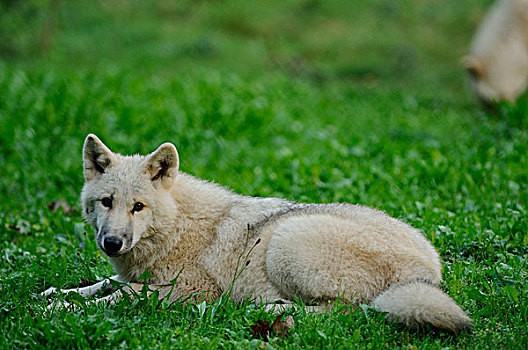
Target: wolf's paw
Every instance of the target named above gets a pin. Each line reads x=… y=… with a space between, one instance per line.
x=49 y=291
x=54 y=304
x=58 y=305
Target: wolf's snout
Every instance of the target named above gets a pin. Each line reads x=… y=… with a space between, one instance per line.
x=112 y=244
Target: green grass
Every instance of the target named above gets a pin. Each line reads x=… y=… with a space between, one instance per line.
x=308 y=100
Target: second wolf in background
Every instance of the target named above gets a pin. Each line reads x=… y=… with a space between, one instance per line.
x=498 y=59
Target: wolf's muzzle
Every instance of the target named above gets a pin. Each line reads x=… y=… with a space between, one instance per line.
x=112 y=245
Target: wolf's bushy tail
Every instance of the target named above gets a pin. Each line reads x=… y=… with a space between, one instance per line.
x=418 y=303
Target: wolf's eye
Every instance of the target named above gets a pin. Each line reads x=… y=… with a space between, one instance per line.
x=138 y=206
x=106 y=202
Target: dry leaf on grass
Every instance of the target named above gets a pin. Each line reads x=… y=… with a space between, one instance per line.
x=279 y=327
x=261 y=330
x=53 y=206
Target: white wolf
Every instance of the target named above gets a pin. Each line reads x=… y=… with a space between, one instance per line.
x=148 y=215
x=498 y=62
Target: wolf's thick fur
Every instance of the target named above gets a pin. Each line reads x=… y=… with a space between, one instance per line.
x=203 y=234
x=498 y=62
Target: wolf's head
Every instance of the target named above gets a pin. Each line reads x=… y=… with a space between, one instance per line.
x=502 y=77
x=126 y=198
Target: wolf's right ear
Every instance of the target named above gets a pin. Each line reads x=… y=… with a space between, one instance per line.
x=96 y=157
x=474 y=66
x=162 y=165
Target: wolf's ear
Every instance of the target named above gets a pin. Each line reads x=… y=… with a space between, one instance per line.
x=96 y=157
x=474 y=66
x=162 y=165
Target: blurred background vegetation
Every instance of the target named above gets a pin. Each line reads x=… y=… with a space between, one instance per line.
x=414 y=45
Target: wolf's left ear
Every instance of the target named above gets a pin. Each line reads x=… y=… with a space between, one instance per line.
x=474 y=66
x=96 y=157
x=162 y=165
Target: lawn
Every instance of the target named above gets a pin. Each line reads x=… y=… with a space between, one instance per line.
x=314 y=101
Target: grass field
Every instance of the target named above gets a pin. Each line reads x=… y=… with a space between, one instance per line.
x=314 y=101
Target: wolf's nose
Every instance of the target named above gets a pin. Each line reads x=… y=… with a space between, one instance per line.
x=112 y=244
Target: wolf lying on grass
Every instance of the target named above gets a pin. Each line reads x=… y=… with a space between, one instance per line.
x=148 y=215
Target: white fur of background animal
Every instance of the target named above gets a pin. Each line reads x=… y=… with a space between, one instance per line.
x=498 y=59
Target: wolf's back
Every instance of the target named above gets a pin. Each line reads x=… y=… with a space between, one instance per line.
x=418 y=303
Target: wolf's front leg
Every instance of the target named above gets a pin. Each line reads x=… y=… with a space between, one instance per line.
x=87 y=291
x=192 y=284
x=180 y=291
x=188 y=288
